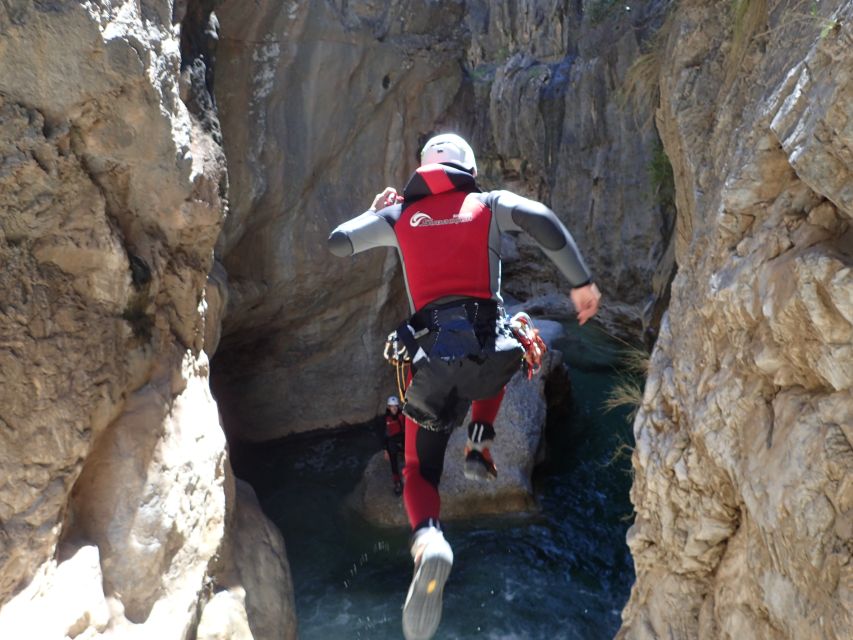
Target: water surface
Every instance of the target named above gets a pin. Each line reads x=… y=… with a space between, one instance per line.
x=564 y=573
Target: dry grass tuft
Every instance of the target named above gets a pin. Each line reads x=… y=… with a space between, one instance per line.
x=623 y=451
x=628 y=391
x=642 y=84
x=748 y=16
x=642 y=81
x=636 y=360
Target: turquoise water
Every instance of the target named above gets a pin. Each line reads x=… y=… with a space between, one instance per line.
x=564 y=573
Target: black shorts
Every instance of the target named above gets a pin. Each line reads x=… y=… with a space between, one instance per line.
x=471 y=354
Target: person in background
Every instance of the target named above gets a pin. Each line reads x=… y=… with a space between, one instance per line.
x=447 y=233
x=394 y=428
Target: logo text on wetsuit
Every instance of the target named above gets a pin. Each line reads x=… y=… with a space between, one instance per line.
x=421 y=219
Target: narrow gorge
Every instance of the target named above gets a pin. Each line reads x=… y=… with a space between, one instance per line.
x=170 y=171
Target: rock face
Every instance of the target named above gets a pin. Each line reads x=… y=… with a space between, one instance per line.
x=324 y=103
x=520 y=426
x=743 y=462
x=118 y=513
x=113 y=471
x=256 y=600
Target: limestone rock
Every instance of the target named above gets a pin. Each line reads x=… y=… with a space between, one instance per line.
x=519 y=443
x=113 y=463
x=74 y=599
x=145 y=519
x=296 y=312
x=256 y=600
x=155 y=536
x=224 y=617
x=261 y=561
x=743 y=456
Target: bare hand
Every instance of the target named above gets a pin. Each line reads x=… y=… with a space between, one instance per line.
x=385 y=199
x=586 y=301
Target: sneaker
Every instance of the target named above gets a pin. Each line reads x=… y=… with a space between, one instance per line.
x=433 y=560
x=479 y=464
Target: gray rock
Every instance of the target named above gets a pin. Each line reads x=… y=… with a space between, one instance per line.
x=742 y=461
x=323 y=105
x=519 y=445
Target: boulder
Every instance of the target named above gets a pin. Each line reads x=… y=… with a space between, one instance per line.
x=255 y=600
x=519 y=445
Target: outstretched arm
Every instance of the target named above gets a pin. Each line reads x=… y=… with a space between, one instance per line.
x=514 y=213
x=366 y=231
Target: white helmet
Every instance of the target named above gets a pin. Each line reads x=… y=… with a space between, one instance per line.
x=393 y=401
x=448 y=147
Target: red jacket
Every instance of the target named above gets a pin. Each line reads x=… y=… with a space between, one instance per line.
x=448 y=234
x=393 y=424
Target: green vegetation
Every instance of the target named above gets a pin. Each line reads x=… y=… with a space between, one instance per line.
x=539 y=71
x=662 y=177
x=483 y=73
x=827 y=25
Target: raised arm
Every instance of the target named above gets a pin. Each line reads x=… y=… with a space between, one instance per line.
x=367 y=231
x=514 y=213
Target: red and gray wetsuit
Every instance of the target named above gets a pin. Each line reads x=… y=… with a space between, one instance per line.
x=447 y=234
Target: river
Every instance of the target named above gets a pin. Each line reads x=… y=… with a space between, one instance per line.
x=564 y=573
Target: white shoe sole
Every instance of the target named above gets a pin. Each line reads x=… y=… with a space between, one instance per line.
x=422 y=610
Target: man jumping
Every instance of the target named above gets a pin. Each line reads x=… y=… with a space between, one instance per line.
x=447 y=234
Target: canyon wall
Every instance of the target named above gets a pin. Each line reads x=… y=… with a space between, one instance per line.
x=743 y=467
x=117 y=508
x=325 y=103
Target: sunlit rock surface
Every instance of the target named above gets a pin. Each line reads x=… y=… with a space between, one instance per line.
x=113 y=467
x=743 y=461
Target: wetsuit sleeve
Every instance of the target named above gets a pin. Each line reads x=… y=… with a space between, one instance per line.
x=514 y=213
x=367 y=231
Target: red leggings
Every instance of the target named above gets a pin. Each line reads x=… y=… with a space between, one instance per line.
x=425 y=462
